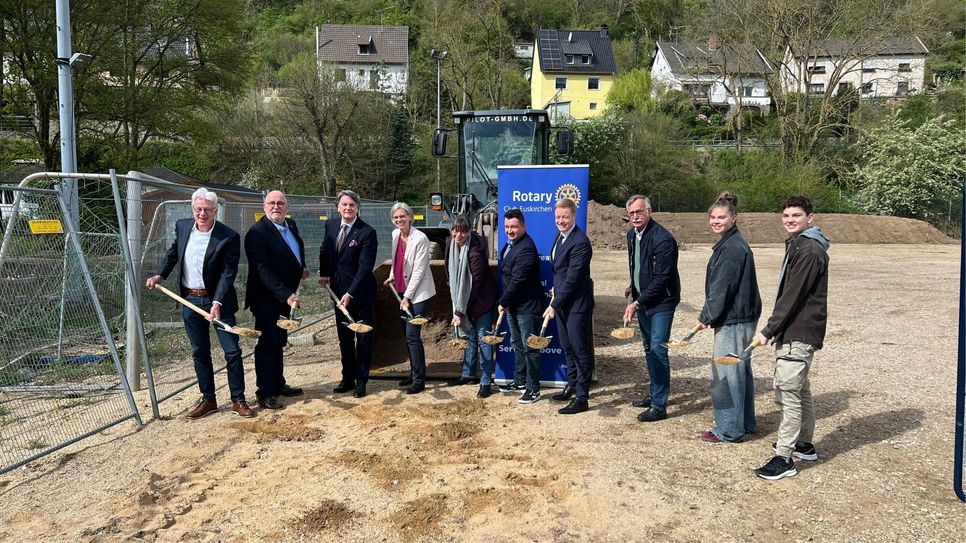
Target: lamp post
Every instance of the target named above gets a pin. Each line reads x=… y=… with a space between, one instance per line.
x=438 y=56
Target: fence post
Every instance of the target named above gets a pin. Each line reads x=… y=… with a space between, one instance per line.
x=132 y=293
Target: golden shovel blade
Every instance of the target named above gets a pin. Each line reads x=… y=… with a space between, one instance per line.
x=418 y=321
x=458 y=343
x=727 y=360
x=493 y=340
x=358 y=327
x=625 y=332
x=287 y=324
x=538 y=342
x=680 y=344
x=246 y=332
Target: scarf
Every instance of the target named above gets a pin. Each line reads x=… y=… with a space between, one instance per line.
x=460 y=278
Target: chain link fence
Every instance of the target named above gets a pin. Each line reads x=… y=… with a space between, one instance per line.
x=60 y=373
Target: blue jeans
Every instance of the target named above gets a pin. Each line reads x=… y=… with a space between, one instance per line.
x=417 y=353
x=656 y=331
x=732 y=385
x=477 y=349
x=197 y=328
x=526 y=369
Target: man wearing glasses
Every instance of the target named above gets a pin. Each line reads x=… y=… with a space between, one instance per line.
x=276 y=266
x=208 y=252
x=656 y=289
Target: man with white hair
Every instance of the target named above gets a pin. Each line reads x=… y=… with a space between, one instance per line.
x=208 y=253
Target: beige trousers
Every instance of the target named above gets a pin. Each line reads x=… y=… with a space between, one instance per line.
x=793 y=394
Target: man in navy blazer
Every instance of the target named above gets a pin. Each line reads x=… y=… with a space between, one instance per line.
x=276 y=266
x=523 y=301
x=572 y=304
x=206 y=253
x=347 y=257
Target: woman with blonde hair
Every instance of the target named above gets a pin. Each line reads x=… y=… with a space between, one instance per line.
x=732 y=306
x=412 y=278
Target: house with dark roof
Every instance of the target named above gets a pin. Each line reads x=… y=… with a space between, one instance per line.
x=572 y=72
x=890 y=67
x=732 y=77
x=365 y=57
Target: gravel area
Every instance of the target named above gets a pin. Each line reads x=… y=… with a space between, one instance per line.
x=445 y=466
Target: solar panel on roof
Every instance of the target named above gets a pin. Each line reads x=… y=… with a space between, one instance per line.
x=550 y=50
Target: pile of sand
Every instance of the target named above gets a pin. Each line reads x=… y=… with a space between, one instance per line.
x=607 y=227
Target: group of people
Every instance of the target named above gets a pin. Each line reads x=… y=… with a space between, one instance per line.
x=207 y=254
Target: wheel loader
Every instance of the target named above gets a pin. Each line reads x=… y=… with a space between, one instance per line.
x=484 y=140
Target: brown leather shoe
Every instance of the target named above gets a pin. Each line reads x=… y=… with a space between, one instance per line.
x=241 y=407
x=203 y=408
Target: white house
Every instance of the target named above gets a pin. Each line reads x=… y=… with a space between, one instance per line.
x=366 y=57
x=728 y=76
x=877 y=68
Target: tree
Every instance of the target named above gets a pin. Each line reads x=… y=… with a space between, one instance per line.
x=911 y=172
x=632 y=91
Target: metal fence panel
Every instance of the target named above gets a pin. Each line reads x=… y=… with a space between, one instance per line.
x=59 y=370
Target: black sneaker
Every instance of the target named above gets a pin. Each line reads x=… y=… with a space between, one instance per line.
x=484 y=392
x=803 y=451
x=777 y=468
x=514 y=387
x=530 y=396
x=459 y=382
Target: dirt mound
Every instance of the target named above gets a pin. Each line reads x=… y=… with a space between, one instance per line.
x=607 y=227
x=329 y=515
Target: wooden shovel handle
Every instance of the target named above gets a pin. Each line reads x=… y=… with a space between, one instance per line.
x=335 y=300
x=398 y=299
x=689 y=335
x=499 y=321
x=184 y=302
x=543 y=327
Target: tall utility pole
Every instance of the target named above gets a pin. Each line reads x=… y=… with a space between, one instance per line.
x=65 y=96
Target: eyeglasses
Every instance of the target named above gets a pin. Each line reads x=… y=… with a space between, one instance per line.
x=276 y=204
x=203 y=209
x=638 y=212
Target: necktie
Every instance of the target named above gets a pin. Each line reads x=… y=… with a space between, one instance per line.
x=292 y=244
x=506 y=248
x=338 y=246
x=637 y=263
x=560 y=241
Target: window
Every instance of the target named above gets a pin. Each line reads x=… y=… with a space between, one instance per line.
x=365 y=49
x=560 y=83
x=374 y=79
x=585 y=59
x=845 y=88
x=698 y=91
x=867 y=87
x=570 y=59
x=902 y=89
x=905 y=67
x=817 y=69
x=593 y=83
x=340 y=74
x=816 y=88
x=593 y=106
x=868 y=65
x=362 y=73
x=748 y=91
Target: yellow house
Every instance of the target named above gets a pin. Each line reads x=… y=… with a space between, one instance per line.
x=573 y=70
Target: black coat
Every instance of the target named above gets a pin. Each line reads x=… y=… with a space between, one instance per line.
x=659 y=278
x=483 y=292
x=573 y=289
x=350 y=270
x=220 y=266
x=274 y=273
x=730 y=285
x=520 y=268
x=801 y=309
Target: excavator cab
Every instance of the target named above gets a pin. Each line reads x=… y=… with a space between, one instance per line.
x=485 y=140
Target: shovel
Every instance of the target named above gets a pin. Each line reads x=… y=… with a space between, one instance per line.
x=357 y=327
x=625 y=331
x=730 y=359
x=685 y=341
x=290 y=323
x=495 y=337
x=541 y=342
x=415 y=321
x=238 y=330
x=457 y=342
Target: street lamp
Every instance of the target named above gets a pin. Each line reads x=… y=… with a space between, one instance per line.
x=438 y=56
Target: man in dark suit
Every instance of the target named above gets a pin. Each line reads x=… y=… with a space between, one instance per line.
x=572 y=305
x=276 y=266
x=523 y=301
x=346 y=259
x=208 y=253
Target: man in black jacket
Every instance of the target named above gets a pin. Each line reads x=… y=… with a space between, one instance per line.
x=208 y=253
x=524 y=301
x=346 y=259
x=656 y=288
x=572 y=305
x=797 y=329
x=276 y=266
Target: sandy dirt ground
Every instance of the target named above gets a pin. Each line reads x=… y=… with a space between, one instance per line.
x=445 y=466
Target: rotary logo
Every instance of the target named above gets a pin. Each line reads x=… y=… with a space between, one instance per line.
x=569 y=191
